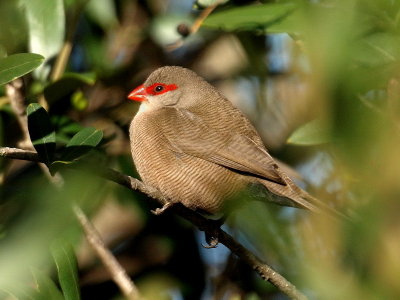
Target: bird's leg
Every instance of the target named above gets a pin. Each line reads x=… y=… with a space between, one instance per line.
x=160 y=210
x=211 y=234
x=211 y=240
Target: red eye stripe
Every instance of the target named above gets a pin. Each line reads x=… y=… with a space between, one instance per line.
x=160 y=88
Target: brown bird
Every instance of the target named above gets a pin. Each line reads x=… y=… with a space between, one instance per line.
x=196 y=148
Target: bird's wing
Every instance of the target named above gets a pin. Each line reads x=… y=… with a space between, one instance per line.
x=222 y=144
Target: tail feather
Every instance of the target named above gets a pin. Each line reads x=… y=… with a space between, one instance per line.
x=292 y=195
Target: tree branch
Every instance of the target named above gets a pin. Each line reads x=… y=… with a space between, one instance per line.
x=203 y=224
x=118 y=274
x=15 y=93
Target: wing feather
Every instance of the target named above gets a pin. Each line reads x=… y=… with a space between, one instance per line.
x=191 y=134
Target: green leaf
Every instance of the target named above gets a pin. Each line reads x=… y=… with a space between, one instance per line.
x=81 y=143
x=67 y=269
x=79 y=101
x=19 y=290
x=378 y=49
x=46 y=26
x=17 y=65
x=249 y=18
x=46 y=288
x=103 y=13
x=41 y=132
x=313 y=133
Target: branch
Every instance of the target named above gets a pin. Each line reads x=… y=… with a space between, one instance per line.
x=14 y=92
x=118 y=274
x=203 y=224
x=185 y=31
x=16 y=95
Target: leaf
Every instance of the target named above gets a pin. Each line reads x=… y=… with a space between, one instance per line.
x=45 y=287
x=46 y=26
x=313 y=133
x=41 y=132
x=67 y=270
x=378 y=49
x=81 y=143
x=18 y=290
x=17 y=65
x=103 y=13
x=79 y=101
x=252 y=17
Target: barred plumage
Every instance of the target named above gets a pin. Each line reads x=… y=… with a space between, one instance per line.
x=193 y=145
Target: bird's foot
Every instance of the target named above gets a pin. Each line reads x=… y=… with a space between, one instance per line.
x=160 y=210
x=211 y=239
x=212 y=236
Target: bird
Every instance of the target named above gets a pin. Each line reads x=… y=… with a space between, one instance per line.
x=193 y=145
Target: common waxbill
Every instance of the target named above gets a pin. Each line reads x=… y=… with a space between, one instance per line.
x=196 y=148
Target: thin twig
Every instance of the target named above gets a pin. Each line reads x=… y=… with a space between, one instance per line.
x=195 y=26
x=15 y=93
x=118 y=274
x=264 y=270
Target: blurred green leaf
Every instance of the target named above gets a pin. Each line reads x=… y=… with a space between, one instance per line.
x=253 y=17
x=41 y=132
x=67 y=269
x=46 y=288
x=19 y=291
x=3 y=51
x=12 y=30
x=79 y=101
x=103 y=13
x=46 y=26
x=81 y=143
x=87 y=78
x=313 y=133
x=378 y=49
x=17 y=65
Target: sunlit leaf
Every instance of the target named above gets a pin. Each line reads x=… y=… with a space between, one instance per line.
x=46 y=288
x=67 y=269
x=313 y=133
x=41 y=132
x=17 y=65
x=46 y=26
x=253 y=17
x=103 y=12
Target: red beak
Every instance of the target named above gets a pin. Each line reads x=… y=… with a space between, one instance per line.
x=138 y=94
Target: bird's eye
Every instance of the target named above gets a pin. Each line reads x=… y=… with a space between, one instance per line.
x=158 y=88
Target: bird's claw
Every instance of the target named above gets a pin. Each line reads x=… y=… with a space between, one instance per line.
x=212 y=236
x=212 y=240
x=160 y=210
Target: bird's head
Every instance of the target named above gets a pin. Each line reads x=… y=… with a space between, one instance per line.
x=171 y=86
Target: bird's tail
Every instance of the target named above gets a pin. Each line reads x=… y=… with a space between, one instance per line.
x=292 y=195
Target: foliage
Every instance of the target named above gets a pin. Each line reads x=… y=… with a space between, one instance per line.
x=284 y=63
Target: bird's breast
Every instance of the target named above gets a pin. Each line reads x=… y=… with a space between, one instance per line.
x=195 y=182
